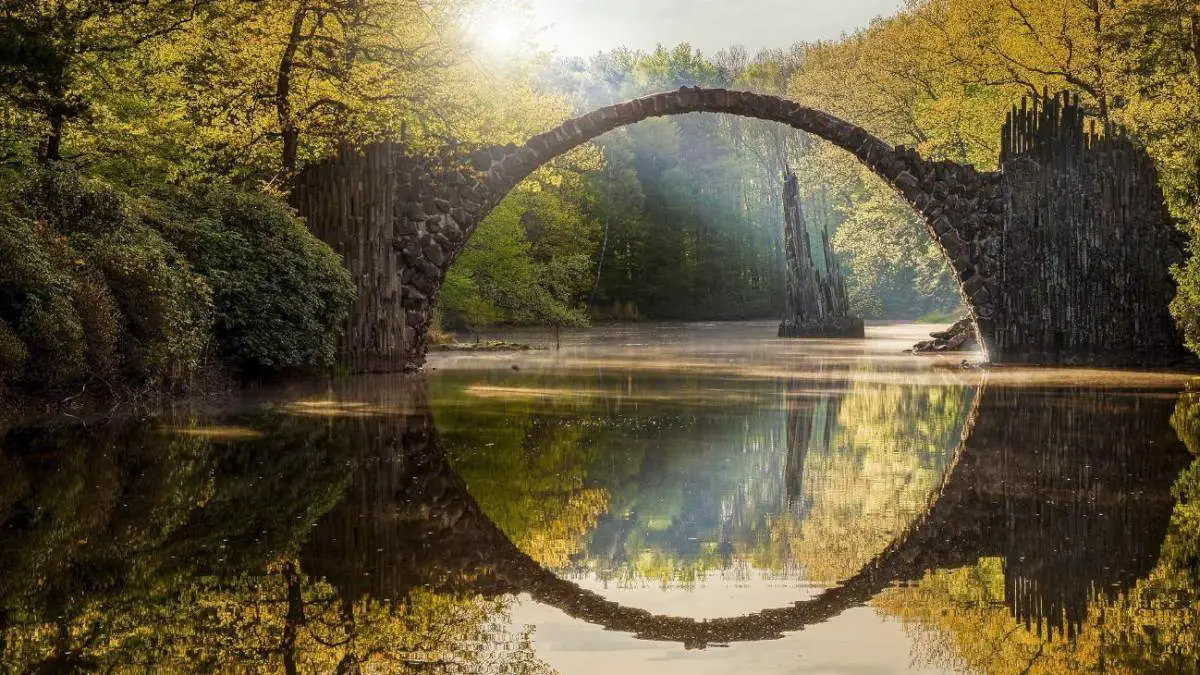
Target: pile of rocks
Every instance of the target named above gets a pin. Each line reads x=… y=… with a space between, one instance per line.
x=957 y=338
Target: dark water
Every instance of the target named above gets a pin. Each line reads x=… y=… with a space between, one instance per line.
x=667 y=499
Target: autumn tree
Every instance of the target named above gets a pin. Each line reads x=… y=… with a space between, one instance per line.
x=48 y=46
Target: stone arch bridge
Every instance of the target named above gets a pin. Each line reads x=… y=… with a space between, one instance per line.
x=1061 y=256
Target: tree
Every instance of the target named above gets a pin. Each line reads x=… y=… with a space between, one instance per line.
x=49 y=45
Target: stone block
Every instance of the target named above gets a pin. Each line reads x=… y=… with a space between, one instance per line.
x=434 y=254
x=973 y=285
x=414 y=212
x=412 y=298
x=403 y=226
x=942 y=226
x=420 y=282
x=430 y=271
x=907 y=183
x=452 y=232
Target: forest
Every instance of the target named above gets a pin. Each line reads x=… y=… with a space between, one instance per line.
x=147 y=149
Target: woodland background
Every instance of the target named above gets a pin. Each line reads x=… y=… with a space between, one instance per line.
x=146 y=149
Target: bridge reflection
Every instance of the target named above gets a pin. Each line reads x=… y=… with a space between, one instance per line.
x=1069 y=487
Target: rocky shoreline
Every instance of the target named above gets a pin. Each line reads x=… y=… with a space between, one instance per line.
x=959 y=337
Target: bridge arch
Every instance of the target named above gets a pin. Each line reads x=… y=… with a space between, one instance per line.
x=959 y=206
x=442 y=200
x=1062 y=256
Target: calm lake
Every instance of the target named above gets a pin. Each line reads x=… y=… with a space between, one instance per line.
x=655 y=498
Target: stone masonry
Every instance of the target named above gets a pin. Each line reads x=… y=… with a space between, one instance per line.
x=434 y=203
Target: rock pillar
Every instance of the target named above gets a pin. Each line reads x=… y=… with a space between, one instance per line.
x=816 y=302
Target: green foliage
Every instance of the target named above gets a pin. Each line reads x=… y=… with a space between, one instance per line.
x=523 y=264
x=895 y=269
x=132 y=291
x=13 y=352
x=40 y=305
x=691 y=206
x=280 y=296
x=164 y=306
x=1186 y=305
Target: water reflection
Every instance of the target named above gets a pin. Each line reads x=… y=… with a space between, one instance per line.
x=1069 y=489
x=333 y=530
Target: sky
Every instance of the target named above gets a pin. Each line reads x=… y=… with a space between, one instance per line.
x=583 y=27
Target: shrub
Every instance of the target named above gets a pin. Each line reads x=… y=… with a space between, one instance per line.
x=13 y=353
x=39 y=306
x=164 y=306
x=280 y=295
x=96 y=284
x=1185 y=307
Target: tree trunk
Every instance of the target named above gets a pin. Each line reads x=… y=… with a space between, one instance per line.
x=600 y=263
x=52 y=152
x=288 y=128
x=293 y=620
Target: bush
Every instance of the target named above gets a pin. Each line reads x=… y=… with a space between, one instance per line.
x=58 y=325
x=280 y=295
x=164 y=307
x=1185 y=307
x=133 y=291
x=13 y=353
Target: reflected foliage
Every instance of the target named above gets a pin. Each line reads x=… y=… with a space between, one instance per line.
x=875 y=473
x=344 y=532
x=633 y=491
x=144 y=546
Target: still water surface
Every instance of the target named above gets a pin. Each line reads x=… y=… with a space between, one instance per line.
x=690 y=498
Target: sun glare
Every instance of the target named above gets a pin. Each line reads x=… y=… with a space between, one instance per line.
x=501 y=33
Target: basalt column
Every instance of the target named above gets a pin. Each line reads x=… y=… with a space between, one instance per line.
x=398 y=219
x=816 y=303
x=349 y=202
x=1087 y=246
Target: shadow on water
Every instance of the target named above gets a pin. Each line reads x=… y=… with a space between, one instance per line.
x=332 y=531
